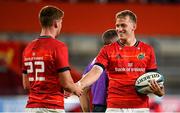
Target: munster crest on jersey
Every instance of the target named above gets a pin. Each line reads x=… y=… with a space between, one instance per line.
x=141 y=56
x=118 y=56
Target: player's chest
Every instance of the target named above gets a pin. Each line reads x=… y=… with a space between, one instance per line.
x=129 y=57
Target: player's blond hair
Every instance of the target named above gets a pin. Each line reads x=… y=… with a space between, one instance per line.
x=125 y=13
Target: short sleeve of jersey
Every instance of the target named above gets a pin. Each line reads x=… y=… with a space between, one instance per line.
x=62 y=60
x=102 y=58
x=152 y=63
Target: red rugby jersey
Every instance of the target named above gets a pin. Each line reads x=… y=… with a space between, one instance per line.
x=124 y=65
x=43 y=58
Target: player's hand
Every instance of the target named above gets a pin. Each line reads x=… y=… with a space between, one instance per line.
x=156 y=88
x=67 y=94
x=78 y=91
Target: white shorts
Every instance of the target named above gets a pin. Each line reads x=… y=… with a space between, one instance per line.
x=127 y=110
x=43 y=110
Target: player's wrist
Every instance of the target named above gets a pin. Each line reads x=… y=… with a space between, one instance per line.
x=80 y=84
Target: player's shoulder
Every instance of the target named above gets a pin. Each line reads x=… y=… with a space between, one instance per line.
x=58 y=43
x=31 y=43
x=144 y=44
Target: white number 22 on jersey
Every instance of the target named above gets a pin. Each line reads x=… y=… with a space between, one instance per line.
x=36 y=70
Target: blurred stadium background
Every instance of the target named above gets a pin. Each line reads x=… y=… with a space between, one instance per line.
x=83 y=24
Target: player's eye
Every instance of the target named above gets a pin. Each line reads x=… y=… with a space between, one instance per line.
x=117 y=25
x=123 y=25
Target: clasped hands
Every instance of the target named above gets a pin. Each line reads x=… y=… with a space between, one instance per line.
x=78 y=90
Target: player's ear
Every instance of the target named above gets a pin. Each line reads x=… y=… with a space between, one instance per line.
x=55 y=23
x=134 y=26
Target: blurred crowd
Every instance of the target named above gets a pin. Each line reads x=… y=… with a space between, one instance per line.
x=102 y=1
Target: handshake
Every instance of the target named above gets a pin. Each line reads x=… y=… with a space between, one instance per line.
x=76 y=89
x=87 y=80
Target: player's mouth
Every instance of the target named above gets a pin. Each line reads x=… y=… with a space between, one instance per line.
x=121 y=33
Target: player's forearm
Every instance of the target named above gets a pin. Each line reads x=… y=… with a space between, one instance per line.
x=67 y=82
x=69 y=86
x=25 y=82
x=90 y=77
x=86 y=81
x=73 y=88
x=85 y=107
x=85 y=101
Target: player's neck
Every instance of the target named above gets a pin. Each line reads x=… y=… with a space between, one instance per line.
x=48 y=32
x=132 y=41
x=129 y=42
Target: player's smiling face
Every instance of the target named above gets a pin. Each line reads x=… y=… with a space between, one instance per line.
x=124 y=27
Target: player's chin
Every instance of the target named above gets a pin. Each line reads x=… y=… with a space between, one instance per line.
x=123 y=39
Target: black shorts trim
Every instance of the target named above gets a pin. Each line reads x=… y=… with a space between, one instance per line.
x=99 y=108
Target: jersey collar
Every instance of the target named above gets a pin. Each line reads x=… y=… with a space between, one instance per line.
x=122 y=45
x=45 y=36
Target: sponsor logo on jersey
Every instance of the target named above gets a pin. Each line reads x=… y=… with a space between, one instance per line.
x=117 y=69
